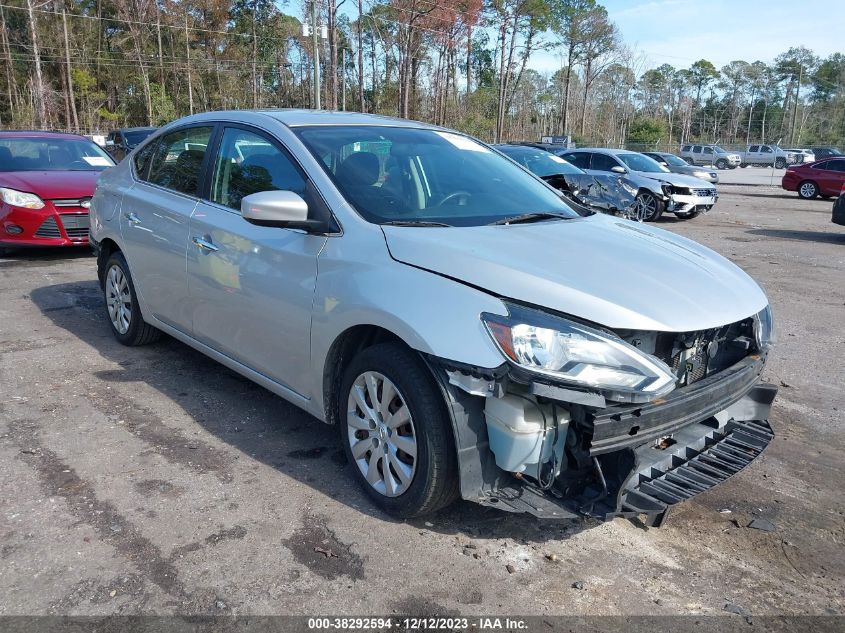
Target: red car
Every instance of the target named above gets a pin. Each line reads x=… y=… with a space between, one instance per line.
x=46 y=183
x=823 y=178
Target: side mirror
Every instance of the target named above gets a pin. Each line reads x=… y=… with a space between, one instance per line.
x=616 y=169
x=280 y=209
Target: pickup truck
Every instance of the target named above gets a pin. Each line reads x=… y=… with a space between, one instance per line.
x=766 y=155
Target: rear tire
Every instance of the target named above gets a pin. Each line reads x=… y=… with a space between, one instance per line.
x=691 y=161
x=122 y=309
x=652 y=208
x=808 y=190
x=383 y=386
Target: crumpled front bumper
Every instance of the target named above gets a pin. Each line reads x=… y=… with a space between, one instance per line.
x=647 y=458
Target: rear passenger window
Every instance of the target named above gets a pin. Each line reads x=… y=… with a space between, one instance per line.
x=248 y=163
x=177 y=161
x=754 y=148
x=696 y=149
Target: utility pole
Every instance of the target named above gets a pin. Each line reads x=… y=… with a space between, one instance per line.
x=188 y=59
x=315 y=42
x=343 y=79
x=795 y=105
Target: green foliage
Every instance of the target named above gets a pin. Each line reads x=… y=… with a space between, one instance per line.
x=646 y=132
x=163 y=109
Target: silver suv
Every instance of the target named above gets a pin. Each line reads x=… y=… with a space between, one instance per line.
x=711 y=155
x=465 y=331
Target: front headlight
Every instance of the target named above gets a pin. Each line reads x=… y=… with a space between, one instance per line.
x=764 y=329
x=578 y=355
x=702 y=174
x=22 y=199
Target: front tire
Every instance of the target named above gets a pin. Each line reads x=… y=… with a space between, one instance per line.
x=689 y=215
x=721 y=164
x=808 y=190
x=780 y=163
x=124 y=314
x=650 y=207
x=396 y=432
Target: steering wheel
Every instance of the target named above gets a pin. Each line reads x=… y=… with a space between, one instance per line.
x=455 y=194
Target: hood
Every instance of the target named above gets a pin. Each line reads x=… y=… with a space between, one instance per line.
x=603 y=269
x=689 y=170
x=49 y=185
x=677 y=180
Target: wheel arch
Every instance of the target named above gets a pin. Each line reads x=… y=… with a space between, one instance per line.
x=105 y=248
x=343 y=349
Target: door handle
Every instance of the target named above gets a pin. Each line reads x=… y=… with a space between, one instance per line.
x=205 y=244
x=132 y=218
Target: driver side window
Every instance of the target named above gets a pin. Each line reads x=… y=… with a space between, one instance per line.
x=603 y=162
x=248 y=163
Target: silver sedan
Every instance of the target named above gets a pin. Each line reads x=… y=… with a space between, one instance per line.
x=468 y=334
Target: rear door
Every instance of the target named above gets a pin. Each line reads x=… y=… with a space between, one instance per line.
x=154 y=222
x=251 y=286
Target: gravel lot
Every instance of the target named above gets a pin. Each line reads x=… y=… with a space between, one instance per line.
x=153 y=480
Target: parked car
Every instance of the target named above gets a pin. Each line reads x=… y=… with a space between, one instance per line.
x=467 y=333
x=712 y=155
x=678 y=165
x=46 y=183
x=823 y=178
x=658 y=189
x=609 y=194
x=839 y=208
x=825 y=152
x=767 y=155
x=802 y=156
x=120 y=142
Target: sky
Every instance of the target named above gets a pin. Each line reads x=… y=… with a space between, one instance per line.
x=680 y=32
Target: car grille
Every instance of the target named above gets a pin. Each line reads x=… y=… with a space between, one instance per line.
x=76 y=225
x=704 y=193
x=81 y=203
x=48 y=228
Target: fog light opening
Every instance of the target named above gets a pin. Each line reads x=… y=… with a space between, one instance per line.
x=14 y=229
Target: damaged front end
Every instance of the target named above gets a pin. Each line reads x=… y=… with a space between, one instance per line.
x=597 y=430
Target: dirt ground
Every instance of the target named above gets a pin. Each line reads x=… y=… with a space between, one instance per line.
x=153 y=480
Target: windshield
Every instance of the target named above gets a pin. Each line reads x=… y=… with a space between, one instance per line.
x=638 y=162
x=52 y=154
x=674 y=160
x=413 y=175
x=133 y=138
x=538 y=161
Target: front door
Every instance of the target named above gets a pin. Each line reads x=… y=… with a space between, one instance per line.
x=251 y=287
x=154 y=222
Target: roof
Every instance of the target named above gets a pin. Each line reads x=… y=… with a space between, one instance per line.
x=603 y=150
x=297 y=118
x=40 y=134
x=135 y=129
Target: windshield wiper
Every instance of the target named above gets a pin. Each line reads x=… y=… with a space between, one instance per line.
x=413 y=223
x=530 y=217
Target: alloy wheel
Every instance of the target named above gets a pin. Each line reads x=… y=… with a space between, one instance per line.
x=118 y=299
x=646 y=207
x=808 y=190
x=381 y=435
